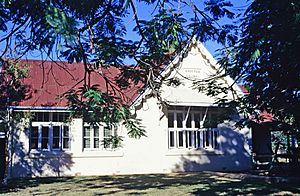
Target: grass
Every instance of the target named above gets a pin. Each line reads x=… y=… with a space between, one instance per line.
x=205 y=183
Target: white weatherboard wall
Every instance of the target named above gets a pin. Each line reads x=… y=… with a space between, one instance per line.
x=149 y=154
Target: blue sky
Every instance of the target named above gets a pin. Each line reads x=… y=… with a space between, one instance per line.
x=145 y=12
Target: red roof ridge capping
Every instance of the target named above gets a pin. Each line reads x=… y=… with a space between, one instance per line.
x=50 y=80
x=264 y=117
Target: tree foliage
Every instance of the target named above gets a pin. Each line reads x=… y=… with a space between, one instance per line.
x=11 y=87
x=263 y=56
x=97 y=34
x=266 y=59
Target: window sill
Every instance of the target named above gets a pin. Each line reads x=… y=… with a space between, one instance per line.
x=36 y=154
x=49 y=154
x=94 y=153
x=192 y=152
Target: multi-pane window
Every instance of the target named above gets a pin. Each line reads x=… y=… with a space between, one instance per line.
x=94 y=136
x=65 y=137
x=109 y=132
x=56 y=137
x=45 y=137
x=34 y=137
x=87 y=137
x=50 y=116
x=50 y=131
x=91 y=137
x=192 y=127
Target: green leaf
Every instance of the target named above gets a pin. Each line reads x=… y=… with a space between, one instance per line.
x=135 y=130
x=255 y=55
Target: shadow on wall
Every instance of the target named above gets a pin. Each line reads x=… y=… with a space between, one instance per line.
x=29 y=164
x=233 y=155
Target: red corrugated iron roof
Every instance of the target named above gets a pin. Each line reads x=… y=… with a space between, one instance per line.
x=49 y=80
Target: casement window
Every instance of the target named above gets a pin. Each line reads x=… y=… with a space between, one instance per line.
x=91 y=137
x=192 y=127
x=94 y=136
x=50 y=131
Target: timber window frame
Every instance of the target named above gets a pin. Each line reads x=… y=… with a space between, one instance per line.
x=49 y=133
x=93 y=136
x=186 y=129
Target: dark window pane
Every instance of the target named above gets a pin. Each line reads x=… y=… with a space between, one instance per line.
x=203 y=139
x=172 y=139
x=186 y=139
x=34 y=143
x=66 y=131
x=170 y=119
x=34 y=132
x=180 y=138
x=34 y=137
x=44 y=143
x=55 y=143
x=61 y=117
x=39 y=116
x=207 y=138
x=179 y=120
x=190 y=138
x=35 y=117
x=55 y=117
x=45 y=131
x=215 y=138
x=66 y=143
x=195 y=138
x=212 y=138
x=197 y=120
x=56 y=136
x=198 y=139
x=66 y=137
x=56 y=131
x=96 y=131
x=46 y=117
x=45 y=134
x=189 y=121
x=67 y=115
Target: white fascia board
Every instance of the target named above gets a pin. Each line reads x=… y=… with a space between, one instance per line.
x=203 y=104
x=165 y=71
x=38 y=108
x=215 y=64
x=212 y=62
